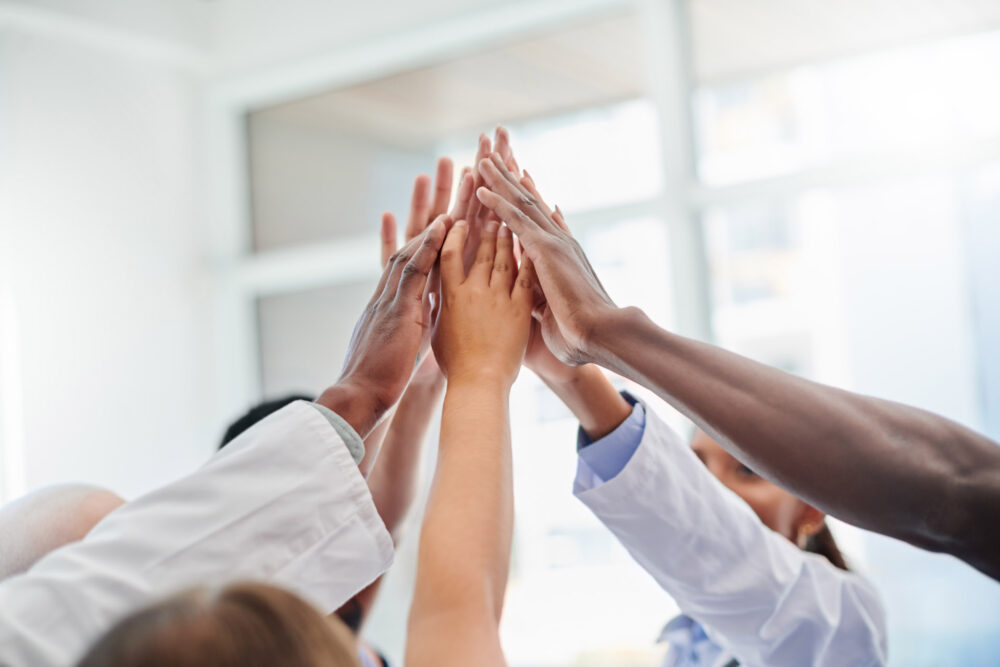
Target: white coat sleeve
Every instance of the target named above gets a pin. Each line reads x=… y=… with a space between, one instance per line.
x=756 y=594
x=283 y=503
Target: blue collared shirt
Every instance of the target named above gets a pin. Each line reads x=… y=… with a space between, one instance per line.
x=608 y=456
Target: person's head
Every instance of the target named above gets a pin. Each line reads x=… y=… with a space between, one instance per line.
x=240 y=625
x=49 y=519
x=778 y=509
x=257 y=413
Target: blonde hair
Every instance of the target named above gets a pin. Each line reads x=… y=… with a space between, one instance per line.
x=241 y=625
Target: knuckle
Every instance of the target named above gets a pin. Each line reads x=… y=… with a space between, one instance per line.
x=501 y=267
x=411 y=271
x=528 y=201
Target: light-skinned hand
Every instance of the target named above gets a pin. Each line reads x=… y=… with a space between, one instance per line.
x=484 y=321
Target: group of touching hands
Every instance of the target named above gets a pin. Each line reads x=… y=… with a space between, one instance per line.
x=465 y=296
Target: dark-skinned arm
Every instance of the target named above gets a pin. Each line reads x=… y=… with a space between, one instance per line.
x=884 y=466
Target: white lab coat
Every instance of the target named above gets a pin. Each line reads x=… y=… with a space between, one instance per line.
x=758 y=596
x=283 y=503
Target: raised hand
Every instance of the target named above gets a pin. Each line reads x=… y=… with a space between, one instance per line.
x=388 y=336
x=423 y=208
x=575 y=300
x=484 y=323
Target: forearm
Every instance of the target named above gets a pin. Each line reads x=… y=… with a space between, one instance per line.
x=592 y=399
x=394 y=477
x=356 y=406
x=466 y=537
x=373 y=445
x=877 y=464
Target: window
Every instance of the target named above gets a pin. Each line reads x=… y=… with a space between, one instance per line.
x=847 y=202
x=847 y=221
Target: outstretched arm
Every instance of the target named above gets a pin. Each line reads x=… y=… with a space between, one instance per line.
x=884 y=466
x=466 y=538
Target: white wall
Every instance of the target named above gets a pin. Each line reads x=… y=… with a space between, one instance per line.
x=102 y=240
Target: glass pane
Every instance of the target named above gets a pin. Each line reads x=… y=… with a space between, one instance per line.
x=591 y=159
x=982 y=240
x=326 y=167
x=867 y=288
x=908 y=100
x=304 y=336
x=561 y=551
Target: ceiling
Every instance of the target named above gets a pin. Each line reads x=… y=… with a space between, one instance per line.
x=580 y=66
x=602 y=61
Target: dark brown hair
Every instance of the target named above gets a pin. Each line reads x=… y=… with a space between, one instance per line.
x=822 y=543
x=241 y=625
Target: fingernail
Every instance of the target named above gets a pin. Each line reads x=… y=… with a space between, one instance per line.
x=504 y=230
x=491 y=226
x=460 y=223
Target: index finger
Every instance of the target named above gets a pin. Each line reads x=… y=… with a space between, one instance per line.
x=416 y=270
x=482 y=152
x=388 y=237
x=501 y=145
x=420 y=206
x=524 y=285
x=503 y=183
x=442 y=187
x=528 y=183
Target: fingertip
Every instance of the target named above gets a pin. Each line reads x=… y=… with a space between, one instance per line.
x=460 y=223
x=483 y=193
x=505 y=232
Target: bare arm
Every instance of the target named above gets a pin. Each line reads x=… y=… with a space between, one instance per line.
x=884 y=466
x=395 y=475
x=881 y=465
x=466 y=537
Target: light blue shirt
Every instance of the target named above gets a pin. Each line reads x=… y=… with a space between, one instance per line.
x=608 y=456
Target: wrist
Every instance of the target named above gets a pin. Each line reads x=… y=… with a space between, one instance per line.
x=565 y=377
x=359 y=406
x=428 y=375
x=609 y=332
x=487 y=379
